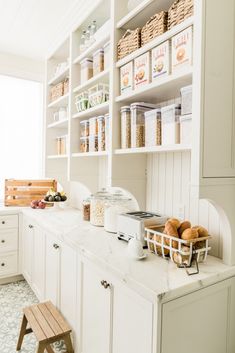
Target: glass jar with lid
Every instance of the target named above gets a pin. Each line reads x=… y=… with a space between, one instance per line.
x=125 y=127
x=84 y=128
x=86 y=209
x=101 y=133
x=98 y=201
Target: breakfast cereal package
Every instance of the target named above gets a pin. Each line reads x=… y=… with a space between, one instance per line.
x=161 y=60
x=142 y=70
x=126 y=77
x=182 y=49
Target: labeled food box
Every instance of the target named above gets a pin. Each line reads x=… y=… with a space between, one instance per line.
x=126 y=77
x=182 y=49
x=142 y=70
x=161 y=60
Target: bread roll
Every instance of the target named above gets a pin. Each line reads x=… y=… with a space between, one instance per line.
x=181 y=259
x=189 y=234
x=202 y=232
x=170 y=229
x=184 y=225
x=175 y=222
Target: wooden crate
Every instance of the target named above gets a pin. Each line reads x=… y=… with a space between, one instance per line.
x=22 y=192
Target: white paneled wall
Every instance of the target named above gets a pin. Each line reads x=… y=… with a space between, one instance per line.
x=168 y=192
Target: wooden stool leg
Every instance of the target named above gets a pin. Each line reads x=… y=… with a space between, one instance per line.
x=22 y=333
x=49 y=349
x=68 y=343
x=41 y=348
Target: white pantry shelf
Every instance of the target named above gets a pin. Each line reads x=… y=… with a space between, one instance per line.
x=95 y=46
x=90 y=154
x=155 y=149
x=97 y=110
x=104 y=75
x=60 y=102
x=57 y=156
x=162 y=89
x=156 y=41
x=60 y=77
x=58 y=124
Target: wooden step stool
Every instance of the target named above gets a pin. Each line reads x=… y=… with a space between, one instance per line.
x=48 y=326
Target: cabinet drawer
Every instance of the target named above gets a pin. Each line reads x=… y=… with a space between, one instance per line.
x=8 y=240
x=10 y=221
x=8 y=264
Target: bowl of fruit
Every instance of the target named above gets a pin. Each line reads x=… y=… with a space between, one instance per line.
x=55 y=197
x=38 y=204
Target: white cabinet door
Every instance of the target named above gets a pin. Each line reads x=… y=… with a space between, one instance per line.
x=52 y=269
x=38 y=273
x=95 y=312
x=132 y=322
x=27 y=249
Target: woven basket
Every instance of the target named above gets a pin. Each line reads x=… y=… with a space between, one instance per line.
x=130 y=41
x=179 y=11
x=155 y=26
x=66 y=86
x=57 y=91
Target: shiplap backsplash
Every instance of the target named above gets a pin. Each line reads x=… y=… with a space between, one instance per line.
x=168 y=188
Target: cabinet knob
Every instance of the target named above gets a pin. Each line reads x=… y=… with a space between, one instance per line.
x=105 y=284
x=2 y=264
x=56 y=246
x=2 y=241
x=30 y=226
x=3 y=222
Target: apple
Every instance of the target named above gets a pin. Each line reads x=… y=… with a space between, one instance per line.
x=41 y=205
x=34 y=203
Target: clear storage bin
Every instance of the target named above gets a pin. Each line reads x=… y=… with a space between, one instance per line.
x=170 y=124
x=84 y=144
x=93 y=143
x=186 y=129
x=101 y=133
x=186 y=100
x=107 y=130
x=125 y=127
x=138 y=123
x=84 y=128
x=98 y=61
x=86 y=69
x=153 y=127
x=106 y=55
x=93 y=126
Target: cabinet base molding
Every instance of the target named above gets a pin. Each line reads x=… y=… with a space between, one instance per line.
x=11 y=279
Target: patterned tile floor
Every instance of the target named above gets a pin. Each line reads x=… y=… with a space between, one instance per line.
x=13 y=298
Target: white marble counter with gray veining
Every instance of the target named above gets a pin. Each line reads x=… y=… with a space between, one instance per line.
x=153 y=277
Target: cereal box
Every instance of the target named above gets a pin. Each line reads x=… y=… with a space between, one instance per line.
x=142 y=70
x=161 y=60
x=126 y=77
x=182 y=49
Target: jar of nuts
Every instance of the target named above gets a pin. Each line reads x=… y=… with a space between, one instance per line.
x=98 y=201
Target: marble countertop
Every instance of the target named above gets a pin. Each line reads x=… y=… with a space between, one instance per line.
x=153 y=277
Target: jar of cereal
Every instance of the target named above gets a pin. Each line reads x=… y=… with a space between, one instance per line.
x=98 y=202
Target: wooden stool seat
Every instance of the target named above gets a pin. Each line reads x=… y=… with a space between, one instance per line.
x=47 y=324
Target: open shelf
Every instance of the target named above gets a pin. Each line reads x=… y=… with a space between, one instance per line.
x=101 y=76
x=57 y=156
x=90 y=154
x=60 y=102
x=95 y=46
x=155 y=149
x=162 y=89
x=58 y=124
x=97 y=110
x=60 y=77
x=156 y=41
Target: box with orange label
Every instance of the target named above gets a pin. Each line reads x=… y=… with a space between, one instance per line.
x=182 y=50
x=126 y=77
x=142 y=70
x=161 y=60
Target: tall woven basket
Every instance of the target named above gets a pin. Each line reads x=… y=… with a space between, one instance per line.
x=130 y=41
x=179 y=11
x=155 y=26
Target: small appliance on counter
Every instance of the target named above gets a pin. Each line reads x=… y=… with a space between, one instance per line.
x=132 y=224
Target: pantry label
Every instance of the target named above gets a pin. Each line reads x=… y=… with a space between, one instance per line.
x=161 y=60
x=126 y=77
x=142 y=70
x=182 y=55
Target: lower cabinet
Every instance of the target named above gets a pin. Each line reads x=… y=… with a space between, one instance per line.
x=38 y=268
x=27 y=249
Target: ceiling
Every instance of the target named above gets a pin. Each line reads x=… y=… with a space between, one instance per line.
x=28 y=27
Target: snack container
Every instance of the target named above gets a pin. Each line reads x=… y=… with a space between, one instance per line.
x=101 y=133
x=182 y=50
x=142 y=70
x=84 y=144
x=170 y=124
x=107 y=131
x=161 y=60
x=126 y=77
x=153 y=127
x=93 y=126
x=125 y=127
x=186 y=129
x=186 y=100
x=86 y=69
x=106 y=55
x=93 y=143
x=84 y=128
x=98 y=62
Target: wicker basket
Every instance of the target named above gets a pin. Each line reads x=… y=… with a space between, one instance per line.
x=179 y=11
x=57 y=91
x=66 y=86
x=130 y=41
x=155 y=26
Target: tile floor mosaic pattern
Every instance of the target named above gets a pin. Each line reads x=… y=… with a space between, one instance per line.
x=13 y=298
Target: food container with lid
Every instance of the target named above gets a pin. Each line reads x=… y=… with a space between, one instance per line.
x=84 y=144
x=93 y=143
x=107 y=131
x=98 y=201
x=125 y=127
x=61 y=144
x=86 y=69
x=126 y=78
x=82 y=102
x=186 y=100
x=93 y=126
x=161 y=60
x=182 y=50
x=101 y=133
x=142 y=70
x=84 y=128
x=170 y=124
x=186 y=129
x=62 y=113
x=106 y=55
x=98 y=61
x=86 y=209
x=138 y=123
x=115 y=205
x=98 y=94
x=153 y=127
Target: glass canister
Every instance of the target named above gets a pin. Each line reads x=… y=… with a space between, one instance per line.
x=98 y=201
x=107 y=131
x=86 y=69
x=84 y=144
x=86 y=209
x=125 y=127
x=93 y=126
x=101 y=133
x=153 y=127
x=98 y=61
x=93 y=143
x=84 y=128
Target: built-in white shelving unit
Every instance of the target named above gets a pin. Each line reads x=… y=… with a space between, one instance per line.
x=60 y=102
